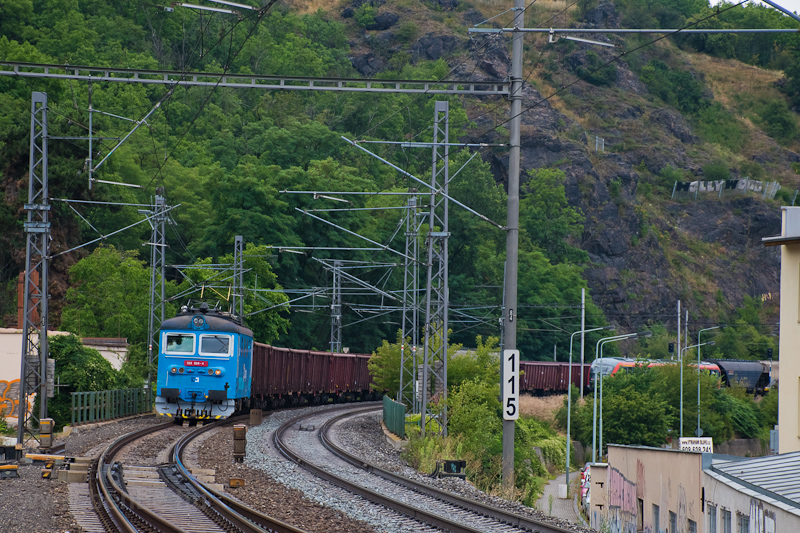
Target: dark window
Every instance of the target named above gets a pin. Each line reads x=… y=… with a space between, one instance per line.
x=742 y=523
x=656 y=518
x=179 y=343
x=692 y=526
x=673 y=522
x=725 y=519
x=640 y=514
x=712 y=518
x=215 y=344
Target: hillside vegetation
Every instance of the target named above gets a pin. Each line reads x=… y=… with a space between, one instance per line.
x=682 y=108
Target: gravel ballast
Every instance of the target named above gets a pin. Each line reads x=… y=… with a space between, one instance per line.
x=272 y=484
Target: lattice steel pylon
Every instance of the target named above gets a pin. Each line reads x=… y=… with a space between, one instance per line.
x=238 y=276
x=33 y=372
x=410 y=330
x=434 y=371
x=336 y=309
x=157 y=263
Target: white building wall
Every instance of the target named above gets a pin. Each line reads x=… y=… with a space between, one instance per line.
x=764 y=514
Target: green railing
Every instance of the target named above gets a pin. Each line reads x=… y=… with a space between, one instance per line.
x=394 y=416
x=95 y=406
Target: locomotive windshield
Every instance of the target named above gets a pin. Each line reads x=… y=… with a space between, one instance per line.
x=215 y=344
x=179 y=343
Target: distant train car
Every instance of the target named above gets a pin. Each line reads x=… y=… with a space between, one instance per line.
x=612 y=365
x=204 y=364
x=549 y=377
x=753 y=375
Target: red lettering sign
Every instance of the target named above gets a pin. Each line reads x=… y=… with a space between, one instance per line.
x=195 y=363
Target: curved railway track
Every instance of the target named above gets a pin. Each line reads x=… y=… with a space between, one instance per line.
x=423 y=503
x=172 y=500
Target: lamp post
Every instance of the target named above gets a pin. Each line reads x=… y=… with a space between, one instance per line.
x=597 y=357
x=680 y=362
x=569 y=392
x=699 y=432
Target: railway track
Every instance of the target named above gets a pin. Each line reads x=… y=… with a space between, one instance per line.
x=422 y=503
x=131 y=498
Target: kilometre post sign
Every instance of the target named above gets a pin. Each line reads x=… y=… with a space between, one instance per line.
x=510 y=384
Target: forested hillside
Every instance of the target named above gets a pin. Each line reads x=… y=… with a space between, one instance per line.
x=669 y=109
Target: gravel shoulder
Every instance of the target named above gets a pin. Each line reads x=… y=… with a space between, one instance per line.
x=30 y=503
x=271 y=483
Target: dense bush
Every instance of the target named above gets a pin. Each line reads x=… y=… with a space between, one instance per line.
x=676 y=87
x=596 y=71
x=78 y=369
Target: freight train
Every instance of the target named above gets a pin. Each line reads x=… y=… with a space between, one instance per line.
x=209 y=368
x=551 y=377
x=755 y=376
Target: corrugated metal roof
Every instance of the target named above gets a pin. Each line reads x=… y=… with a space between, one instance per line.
x=775 y=475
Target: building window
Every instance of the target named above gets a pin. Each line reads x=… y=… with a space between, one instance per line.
x=742 y=523
x=692 y=526
x=712 y=518
x=656 y=518
x=673 y=522
x=725 y=521
x=639 y=514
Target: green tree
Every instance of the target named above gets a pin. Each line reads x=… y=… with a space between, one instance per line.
x=547 y=218
x=78 y=369
x=264 y=305
x=109 y=296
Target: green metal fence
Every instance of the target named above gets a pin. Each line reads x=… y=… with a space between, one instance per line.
x=394 y=416
x=95 y=406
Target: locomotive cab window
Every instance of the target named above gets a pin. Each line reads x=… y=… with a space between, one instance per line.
x=215 y=344
x=179 y=343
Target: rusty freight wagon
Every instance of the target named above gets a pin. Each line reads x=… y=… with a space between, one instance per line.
x=286 y=376
x=550 y=377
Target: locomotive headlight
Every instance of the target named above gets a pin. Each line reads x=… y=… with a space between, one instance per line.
x=174 y=369
x=218 y=372
x=181 y=370
x=210 y=371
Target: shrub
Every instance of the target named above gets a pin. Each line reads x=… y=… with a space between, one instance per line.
x=779 y=121
x=365 y=15
x=596 y=73
x=716 y=171
x=407 y=31
x=676 y=87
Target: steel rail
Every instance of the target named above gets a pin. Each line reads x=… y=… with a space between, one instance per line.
x=470 y=505
x=375 y=497
x=114 y=497
x=242 y=516
x=127 y=515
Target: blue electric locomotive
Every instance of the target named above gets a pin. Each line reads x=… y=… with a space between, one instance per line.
x=204 y=364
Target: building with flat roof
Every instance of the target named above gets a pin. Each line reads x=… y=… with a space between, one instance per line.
x=758 y=495
x=658 y=490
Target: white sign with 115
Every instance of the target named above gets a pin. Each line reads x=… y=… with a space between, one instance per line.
x=510 y=384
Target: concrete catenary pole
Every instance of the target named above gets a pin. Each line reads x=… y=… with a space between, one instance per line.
x=512 y=235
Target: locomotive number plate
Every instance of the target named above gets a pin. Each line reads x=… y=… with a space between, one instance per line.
x=195 y=363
